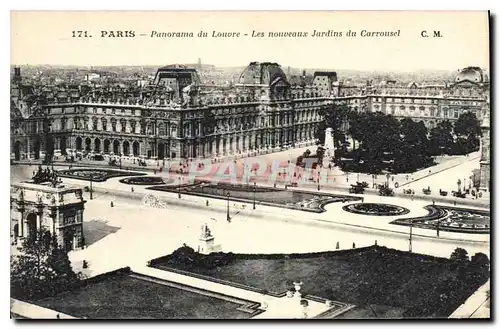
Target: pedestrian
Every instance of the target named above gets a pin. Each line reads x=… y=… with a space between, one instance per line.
x=132 y=189
x=337 y=246
x=207 y=203
x=111 y=204
x=376 y=243
x=57 y=316
x=353 y=245
x=433 y=202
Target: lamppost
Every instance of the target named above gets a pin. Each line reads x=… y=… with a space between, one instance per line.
x=179 y=187
x=437 y=228
x=228 y=218
x=91 y=180
x=458 y=185
x=318 y=179
x=373 y=180
x=254 y=191
x=411 y=234
x=388 y=176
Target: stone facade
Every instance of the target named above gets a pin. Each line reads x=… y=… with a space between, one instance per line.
x=484 y=169
x=57 y=209
x=431 y=104
x=175 y=117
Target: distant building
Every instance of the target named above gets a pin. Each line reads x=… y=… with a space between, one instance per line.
x=431 y=104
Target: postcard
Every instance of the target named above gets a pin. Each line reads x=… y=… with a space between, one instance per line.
x=250 y=165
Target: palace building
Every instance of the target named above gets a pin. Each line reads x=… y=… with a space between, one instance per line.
x=177 y=115
x=429 y=103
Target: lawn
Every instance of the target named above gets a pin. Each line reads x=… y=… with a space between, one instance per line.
x=132 y=297
x=391 y=282
x=263 y=195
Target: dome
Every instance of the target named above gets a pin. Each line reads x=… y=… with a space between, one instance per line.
x=265 y=73
x=471 y=74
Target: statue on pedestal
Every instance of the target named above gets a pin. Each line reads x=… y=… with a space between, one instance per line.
x=329 y=147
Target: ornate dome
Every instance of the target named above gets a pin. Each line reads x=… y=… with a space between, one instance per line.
x=471 y=74
x=262 y=73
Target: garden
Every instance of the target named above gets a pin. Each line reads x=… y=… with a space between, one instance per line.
x=451 y=219
x=382 y=282
x=299 y=200
x=133 y=296
x=376 y=209
x=96 y=175
x=146 y=180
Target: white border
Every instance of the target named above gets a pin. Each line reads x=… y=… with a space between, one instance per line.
x=196 y=5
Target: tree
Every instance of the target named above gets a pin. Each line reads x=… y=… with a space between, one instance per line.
x=467 y=125
x=459 y=255
x=42 y=268
x=441 y=137
x=479 y=260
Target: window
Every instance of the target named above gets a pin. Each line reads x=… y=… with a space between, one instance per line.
x=104 y=124
x=113 y=125
x=94 y=124
x=123 y=125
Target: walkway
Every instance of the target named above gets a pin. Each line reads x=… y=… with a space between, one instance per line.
x=476 y=306
x=31 y=311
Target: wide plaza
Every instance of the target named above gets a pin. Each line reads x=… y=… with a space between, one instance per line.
x=122 y=230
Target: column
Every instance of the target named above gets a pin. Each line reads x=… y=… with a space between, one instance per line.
x=214 y=146
x=20 y=225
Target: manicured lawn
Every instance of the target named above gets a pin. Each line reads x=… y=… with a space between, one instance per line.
x=263 y=195
x=129 y=297
x=395 y=283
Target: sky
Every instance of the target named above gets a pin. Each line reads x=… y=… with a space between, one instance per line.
x=46 y=38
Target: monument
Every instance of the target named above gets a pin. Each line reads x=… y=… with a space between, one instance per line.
x=206 y=241
x=329 y=147
x=57 y=209
x=484 y=169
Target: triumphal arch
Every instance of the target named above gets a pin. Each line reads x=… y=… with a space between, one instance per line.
x=57 y=209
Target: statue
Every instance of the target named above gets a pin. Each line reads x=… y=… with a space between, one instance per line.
x=205 y=232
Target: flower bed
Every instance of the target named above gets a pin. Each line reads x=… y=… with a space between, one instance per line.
x=376 y=209
x=96 y=175
x=300 y=200
x=145 y=180
x=451 y=219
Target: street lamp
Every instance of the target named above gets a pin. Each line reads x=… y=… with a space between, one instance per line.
x=254 y=191
x=228 y=218
x=411 y=233
x=91 y=180
x=437 y=228
x=179 y=188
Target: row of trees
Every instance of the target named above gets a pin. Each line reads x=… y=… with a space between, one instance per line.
x=382 y=142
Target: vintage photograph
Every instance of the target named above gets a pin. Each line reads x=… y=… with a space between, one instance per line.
x=250 y=165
